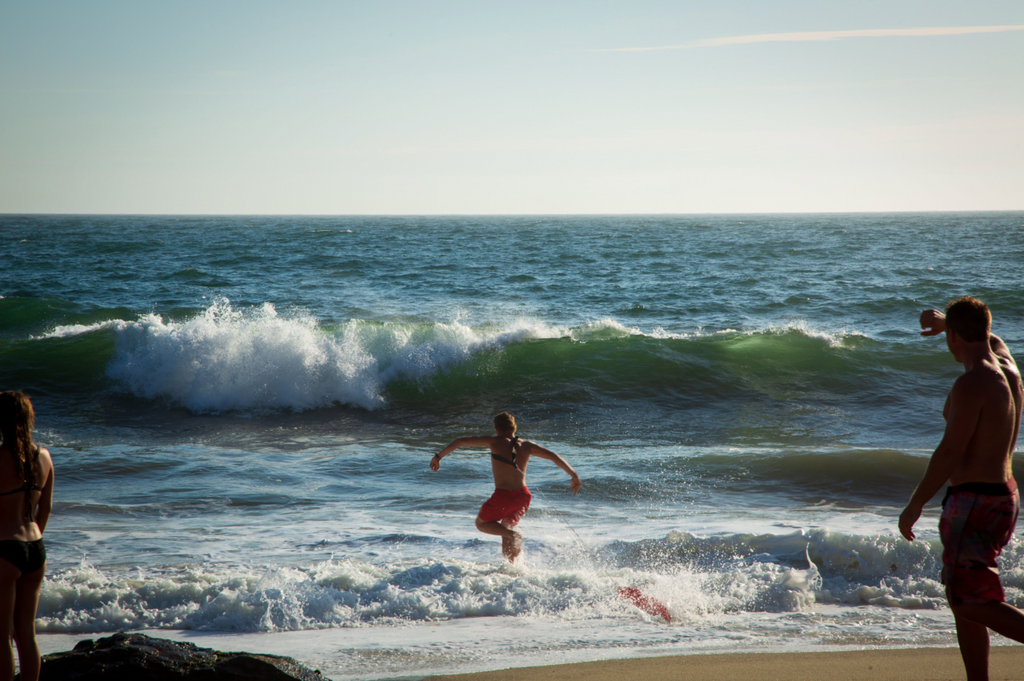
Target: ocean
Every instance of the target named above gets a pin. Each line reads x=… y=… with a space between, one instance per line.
x=241 y=412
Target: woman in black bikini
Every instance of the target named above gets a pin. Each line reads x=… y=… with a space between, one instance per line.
x=26 y=497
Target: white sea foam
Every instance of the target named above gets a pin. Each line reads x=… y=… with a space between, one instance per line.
x=603 y=329
x=352 y=593
x=661 y=333
x=256 y=359
x=834 y=339
x=414 y=352
x=69 y=330
x=226 y=359
x=695 y=578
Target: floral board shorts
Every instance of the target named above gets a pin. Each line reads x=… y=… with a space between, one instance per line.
x=977 y=523
x=506 y=504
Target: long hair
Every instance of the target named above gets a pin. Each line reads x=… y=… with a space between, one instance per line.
x=16 y=421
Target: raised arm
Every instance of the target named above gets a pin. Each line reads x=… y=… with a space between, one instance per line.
x=933 y=322
x=1000 y=350
x=534 y=449
x=1013 y=379
x=471 y=441
x=961 y=422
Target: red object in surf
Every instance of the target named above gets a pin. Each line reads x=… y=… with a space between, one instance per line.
x=649 y=605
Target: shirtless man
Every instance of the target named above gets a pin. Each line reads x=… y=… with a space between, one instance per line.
x=510 y=455
x=979 y=512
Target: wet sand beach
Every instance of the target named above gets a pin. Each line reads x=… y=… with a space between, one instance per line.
x=917 y=664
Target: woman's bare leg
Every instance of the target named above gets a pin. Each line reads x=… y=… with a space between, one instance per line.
x=25 y=607
x=510 y=539
x=8 y=597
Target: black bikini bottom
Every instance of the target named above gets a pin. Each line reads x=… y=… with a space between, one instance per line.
x=27 y=556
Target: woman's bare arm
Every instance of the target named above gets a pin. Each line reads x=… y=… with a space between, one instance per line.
x=471 y=441
x=45 y=504
x=534 y=449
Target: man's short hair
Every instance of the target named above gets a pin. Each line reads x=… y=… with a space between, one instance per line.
x=505 y=422
x=969 y=318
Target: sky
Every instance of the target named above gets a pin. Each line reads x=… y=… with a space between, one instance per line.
x=388 y=107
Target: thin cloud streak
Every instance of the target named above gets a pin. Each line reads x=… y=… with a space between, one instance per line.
x=823 y=36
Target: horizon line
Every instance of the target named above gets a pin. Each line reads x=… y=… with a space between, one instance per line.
x=548 y=214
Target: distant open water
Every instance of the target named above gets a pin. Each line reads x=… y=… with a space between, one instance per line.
x=241 y=412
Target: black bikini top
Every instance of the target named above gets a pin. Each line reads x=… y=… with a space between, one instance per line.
x=31 y=486
x=510 y=462
x=23 y=488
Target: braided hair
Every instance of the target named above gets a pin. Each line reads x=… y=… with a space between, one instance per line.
x=16 y=421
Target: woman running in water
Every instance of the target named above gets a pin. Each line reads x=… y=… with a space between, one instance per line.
x=510 y=455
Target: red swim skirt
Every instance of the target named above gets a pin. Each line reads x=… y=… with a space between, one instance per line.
x=506 y=505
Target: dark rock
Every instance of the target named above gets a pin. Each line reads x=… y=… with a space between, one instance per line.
x=136 y=657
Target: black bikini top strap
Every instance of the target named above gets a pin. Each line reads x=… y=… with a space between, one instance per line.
x=510 y=462
x=31 y=486
x=23 y=488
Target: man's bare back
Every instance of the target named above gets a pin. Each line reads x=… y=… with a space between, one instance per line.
x=984 y=405
x=988 y=384
x=983 y=414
